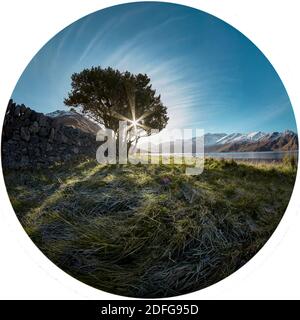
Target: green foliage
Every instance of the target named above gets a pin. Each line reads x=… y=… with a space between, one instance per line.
x=151 y=230
x=290 y=160
x=108 y=95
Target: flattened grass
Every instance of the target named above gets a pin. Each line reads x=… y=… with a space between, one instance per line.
x=151 y=230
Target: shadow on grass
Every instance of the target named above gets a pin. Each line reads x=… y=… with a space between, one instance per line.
x=150 y=230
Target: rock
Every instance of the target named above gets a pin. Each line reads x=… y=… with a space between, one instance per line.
x=10 y=103
x=51 y=135
x=25 y=134
x=34 y=139
x=16 y=136
x=7 y=132
x=67 y=157
x=27 y=113
x=64 y=139
x=44 y=131
x=42 y=120
x=26 y=121
x=37 y=152
x=49 y=147
x=22 y=108
x=33 y=116
x=34 y=128
x=24 y=161
x=11 y=106
x=17 y=111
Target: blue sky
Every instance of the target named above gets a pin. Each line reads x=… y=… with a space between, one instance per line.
x=208 y=74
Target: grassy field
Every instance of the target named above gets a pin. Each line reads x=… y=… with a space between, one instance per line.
x=151 y=231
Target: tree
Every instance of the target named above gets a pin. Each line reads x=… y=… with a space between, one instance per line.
x=108 y=96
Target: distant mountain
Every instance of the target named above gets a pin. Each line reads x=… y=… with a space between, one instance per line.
x=239 y=142
x=213 y=138
x=75 y=120
x=256 y=141
x=213 y=142
x=240 y=137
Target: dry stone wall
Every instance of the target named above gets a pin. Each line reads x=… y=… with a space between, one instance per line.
x=32 y=140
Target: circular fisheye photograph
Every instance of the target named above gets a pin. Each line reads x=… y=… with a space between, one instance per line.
x=149 y=150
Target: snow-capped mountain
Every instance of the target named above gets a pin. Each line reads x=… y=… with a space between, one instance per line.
x=60 y=113
x=240 y=137
x=212 y=138
x=213 y=142
x=75 y=120
x=253 y=141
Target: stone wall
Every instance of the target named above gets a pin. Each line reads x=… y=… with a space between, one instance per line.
x=32 y=140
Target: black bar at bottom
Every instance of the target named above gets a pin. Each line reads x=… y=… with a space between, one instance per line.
x=143 y=309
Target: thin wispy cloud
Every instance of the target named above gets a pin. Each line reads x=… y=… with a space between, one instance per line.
x=97 y=39
x=208 y=75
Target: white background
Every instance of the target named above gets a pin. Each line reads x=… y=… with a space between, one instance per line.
x=25 y=26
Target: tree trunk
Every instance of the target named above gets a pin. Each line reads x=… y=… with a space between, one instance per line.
x=129 y=144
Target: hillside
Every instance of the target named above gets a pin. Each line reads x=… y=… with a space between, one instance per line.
x=146 y=231
x=150 y=230
x=238 y=142
x=75 y=120
x=275 y=141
